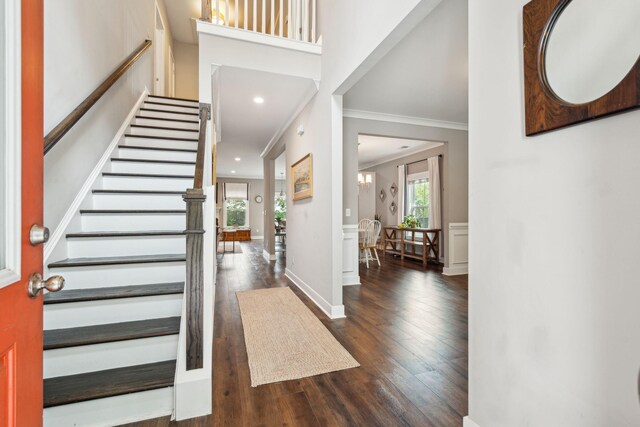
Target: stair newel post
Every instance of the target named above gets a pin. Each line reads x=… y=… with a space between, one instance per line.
x=194 y=286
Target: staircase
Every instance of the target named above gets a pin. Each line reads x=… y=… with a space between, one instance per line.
x=111 y=336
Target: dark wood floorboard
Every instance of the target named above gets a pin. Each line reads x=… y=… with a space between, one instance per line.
x=406 y=325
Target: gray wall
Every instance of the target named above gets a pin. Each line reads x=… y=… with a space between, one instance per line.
x=455 y=168
x=553 y=255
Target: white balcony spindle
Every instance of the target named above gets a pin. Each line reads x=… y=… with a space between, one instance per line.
x=298 y=19
x=264 y=16
x=255 y=16
x=313 y=22
x=281 y=17
x=218 y=12
x=235 y=18
x=246 y=14
x=227 y=17
x=289 y=18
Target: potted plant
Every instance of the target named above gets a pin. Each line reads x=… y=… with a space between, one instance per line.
x=410 y=221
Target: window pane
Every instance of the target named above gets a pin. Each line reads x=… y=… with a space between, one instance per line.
x=236 y=213
x=418 y=201
x=3 y=151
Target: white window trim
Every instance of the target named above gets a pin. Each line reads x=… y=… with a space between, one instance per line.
x=416 y=176
x=224 y=215
x=13 y=144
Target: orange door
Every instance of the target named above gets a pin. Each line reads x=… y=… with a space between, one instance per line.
x=21 y=315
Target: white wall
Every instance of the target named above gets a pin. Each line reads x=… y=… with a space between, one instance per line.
x=553 y=301
x=186 y=56
x=79 y=52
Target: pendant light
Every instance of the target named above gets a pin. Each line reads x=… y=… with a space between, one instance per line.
x=282 y=184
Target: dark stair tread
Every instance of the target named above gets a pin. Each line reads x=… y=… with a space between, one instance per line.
x=100 y=334
x=132 y=211
x=171 y=105
x=168 y=120
x=146 y=175
x=108 y=383
x=138 y=147
x=117 y=260
x=168 y=111
x=166 y=138
x=156 y=192
x=146 y=233
x=165 y=128
x=173 y=162
x=113 y=292
x=173 y=97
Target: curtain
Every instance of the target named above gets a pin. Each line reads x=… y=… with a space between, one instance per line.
x=402 y=184
x=236 y=191
x=435 y=205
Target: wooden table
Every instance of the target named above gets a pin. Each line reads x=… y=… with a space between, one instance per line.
x=405 y=241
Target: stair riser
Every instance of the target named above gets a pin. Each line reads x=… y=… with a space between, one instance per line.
x=132 y=153
x=139 y=222
x=165 y=123
x=155 y=168
x=97 y=357
x=137 y=201
x=121 y=275
x=59 y=316
x=112 y=411
x=170 y=108
x=160 y=143
x=162 y=132
x=167 y=115
x=190 y=103
x=133 y=183
x=125 y=246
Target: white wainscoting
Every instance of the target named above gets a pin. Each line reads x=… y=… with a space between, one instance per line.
x=350 y=261
x=458 y=249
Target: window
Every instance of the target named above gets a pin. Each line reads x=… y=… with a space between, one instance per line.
x=280 y=208
x=236 y=213
x=418 y=198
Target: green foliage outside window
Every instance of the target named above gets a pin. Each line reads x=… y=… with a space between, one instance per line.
x=236 y=213
x=280 y=208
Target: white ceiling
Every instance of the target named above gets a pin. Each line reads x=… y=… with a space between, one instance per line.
x=181 y=15
x=425 y=74
x=374 y=150
x=247 y=127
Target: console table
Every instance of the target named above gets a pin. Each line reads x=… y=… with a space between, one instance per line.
x=406 y=243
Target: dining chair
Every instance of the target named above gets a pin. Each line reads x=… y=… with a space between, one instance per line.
x=370 y=241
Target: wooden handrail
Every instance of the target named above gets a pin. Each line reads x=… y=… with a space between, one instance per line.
x=68 y=122
x=194 y=284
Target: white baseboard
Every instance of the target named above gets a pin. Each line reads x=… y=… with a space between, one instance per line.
x=455 y=271
x=267 y=256
x=468 y=422
x=351 y=280
x=257 y=237
x=333 y=311
x=73 y=209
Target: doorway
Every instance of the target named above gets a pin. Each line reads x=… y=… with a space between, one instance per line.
x=158 y=66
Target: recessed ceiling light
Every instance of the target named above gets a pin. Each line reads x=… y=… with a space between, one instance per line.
x=233 y=171
x=404 y=147
x=258 y=100
x=237 y=159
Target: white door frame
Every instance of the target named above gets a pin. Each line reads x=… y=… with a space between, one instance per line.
x=159 y=59
x=172 y=73
x=11 y=147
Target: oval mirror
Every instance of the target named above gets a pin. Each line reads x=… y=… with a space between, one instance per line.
x=592 y=46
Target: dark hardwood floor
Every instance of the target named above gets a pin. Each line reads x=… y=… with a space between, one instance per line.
x=406 y=325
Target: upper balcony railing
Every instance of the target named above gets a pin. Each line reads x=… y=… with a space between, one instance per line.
x=292 y=19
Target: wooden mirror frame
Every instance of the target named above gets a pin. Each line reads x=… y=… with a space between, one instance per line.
x=544 y=109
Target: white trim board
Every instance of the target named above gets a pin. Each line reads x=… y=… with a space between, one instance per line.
x=468 y=422
x=255 y=37
x=12 y=147
x=59 y=232
x=418 y=121
x=332 y=311
x=267 y=256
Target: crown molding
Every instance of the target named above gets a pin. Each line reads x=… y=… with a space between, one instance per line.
x=418 y=121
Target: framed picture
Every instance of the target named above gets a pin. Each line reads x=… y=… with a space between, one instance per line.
x=302 y=178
